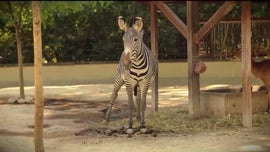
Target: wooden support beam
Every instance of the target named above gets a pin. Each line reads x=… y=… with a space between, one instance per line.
x=238 y=20
x=246 y=62
x=154 y=48
x=173 y=18
x=219 y=15
x=193 y=58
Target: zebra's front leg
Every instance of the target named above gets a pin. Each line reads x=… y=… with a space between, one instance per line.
x=138 y=102
x=143 y=129
x=130 y=109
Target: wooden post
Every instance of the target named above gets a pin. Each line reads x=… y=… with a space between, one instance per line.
x=246 y=62
x=193 y=57
x=154 y=48
x=39 y=99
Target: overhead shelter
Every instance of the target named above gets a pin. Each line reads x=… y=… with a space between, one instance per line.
x=193 y=33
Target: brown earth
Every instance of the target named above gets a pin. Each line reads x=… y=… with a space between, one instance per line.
x=73 y=123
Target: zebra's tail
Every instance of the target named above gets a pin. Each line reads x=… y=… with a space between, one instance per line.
x=135 y=90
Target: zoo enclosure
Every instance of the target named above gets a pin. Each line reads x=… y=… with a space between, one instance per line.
x=224 y=41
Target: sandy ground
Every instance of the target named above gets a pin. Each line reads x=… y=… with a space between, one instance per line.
x=71 y=110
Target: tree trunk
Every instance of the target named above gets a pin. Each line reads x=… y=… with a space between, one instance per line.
x=17 y=26
x=20 y=60
x=39 y=99
x=224 y=50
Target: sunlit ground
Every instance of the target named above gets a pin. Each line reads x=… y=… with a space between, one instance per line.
x=168 y=95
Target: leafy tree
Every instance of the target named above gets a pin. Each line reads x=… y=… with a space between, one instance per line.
x=17 y=17
x=85 y=31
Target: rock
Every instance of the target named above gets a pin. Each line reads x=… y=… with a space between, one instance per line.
x=129 y=131
x=13 y=100
x=27 y=100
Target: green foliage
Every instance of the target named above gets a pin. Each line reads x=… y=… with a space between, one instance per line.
x=259 y=6
x=15 y=13
x=87 y=30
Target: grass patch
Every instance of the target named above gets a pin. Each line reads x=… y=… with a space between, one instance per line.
x=176 y=120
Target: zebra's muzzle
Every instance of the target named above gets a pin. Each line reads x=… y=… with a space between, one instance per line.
x=126 y=60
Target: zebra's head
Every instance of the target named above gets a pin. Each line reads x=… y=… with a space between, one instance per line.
x=133 y=38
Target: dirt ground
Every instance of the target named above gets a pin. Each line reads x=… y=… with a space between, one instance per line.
x=73 y=122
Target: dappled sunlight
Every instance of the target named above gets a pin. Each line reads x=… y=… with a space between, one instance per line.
x=63 y=87
x=171 y=103
x=267 y=139
x=47 y=113
x=178 y=99
x=9 y=89
x=72 y=93
x=175 y=94
x=168 y=96
x=6 y=105
x=214 y=86
x=28 y=88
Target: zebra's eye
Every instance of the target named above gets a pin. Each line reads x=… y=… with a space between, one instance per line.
x=135 y=39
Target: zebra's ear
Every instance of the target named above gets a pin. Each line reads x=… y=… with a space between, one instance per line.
x=138 y=24
x=121 y=23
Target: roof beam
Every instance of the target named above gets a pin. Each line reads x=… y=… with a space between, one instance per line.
x=173 y=18
x=219 y=15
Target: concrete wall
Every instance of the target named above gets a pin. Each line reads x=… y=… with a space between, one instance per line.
x=170 y=73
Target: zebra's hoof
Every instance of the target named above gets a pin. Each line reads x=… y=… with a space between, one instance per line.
x=105 y=122
x=143 y=130
x=129 y=131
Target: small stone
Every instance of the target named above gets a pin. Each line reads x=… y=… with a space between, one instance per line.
x=27 y=100
x=108 y=132
x=12 y=100
x=129 y=131
x=143 y=130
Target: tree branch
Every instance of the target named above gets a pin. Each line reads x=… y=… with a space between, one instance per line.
x=10 y=11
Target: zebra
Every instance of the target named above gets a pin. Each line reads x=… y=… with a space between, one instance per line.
x=137 y=69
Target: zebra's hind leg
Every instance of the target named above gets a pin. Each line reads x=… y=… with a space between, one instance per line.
x=109 y=109
x=117 y=86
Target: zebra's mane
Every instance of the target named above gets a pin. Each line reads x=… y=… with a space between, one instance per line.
x=132 y=21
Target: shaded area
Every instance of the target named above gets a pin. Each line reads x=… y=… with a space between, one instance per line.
x=5 y=132
x=169 y=120
x=117 y=132
x=66 y=104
